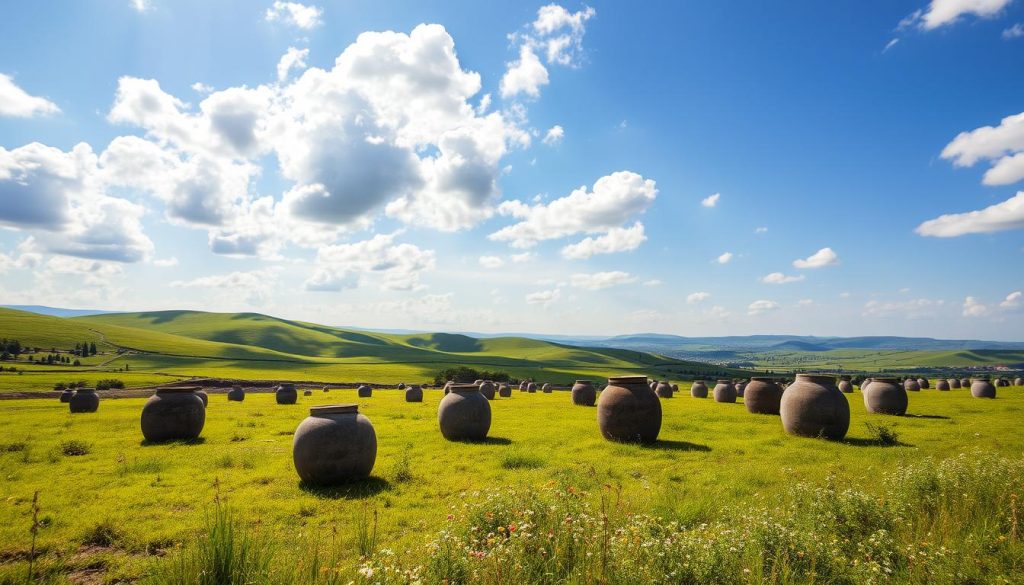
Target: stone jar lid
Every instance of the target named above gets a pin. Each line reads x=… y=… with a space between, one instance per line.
x=817 y=378
x=617 y=380
x=178 y=390
x=334 y=409
x=464 y=388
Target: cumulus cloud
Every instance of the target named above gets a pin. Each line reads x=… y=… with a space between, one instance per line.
x=724 y=258
x=521 y=258
x=558 y=35
x=909 y=309
x=761 y=306
x=820 y=259
x=711 y=200
x=974 y=308
x=1012 y=300
x=554 y=135
x=292 y=59
x=1002 y=145
x=17 y=103
x=653 y=282
x=295 y=14
x=602 y=280
x=941 y=13
x=396 y=266
x=613 y=200
x=780 y=278
x=543 y=297
x=615 y=240
x=491 y=262
x=527 y=75
x=254 y=287
x=166 y=262
x=1008 y=215
x=697 y=297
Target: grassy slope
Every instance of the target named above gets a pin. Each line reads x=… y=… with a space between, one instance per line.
x=712 y=457
x=884 y=359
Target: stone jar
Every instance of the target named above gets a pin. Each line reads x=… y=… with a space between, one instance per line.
x=504 y=390
x=724 y=391
x=448 y=386
x=487 y=389
x=173 y=414
x=885 y=396
x=629 y=410
x=413 y=393
x=286 y=394
x=953 y=383
x=1018 y=382
x=583 y=393
x=66 y=395
x=762 y=396
x=531 y=388
x=1004 y=383
x=942 y=385
x=401 y=386
x=699 y=389
x=864 y=384
x=675 y=388
x=845 y=386
x=663 y=390
x=522 y=386
x=923 y=383
x=741 y=387
x=364 y=391
x=203 y=396
x=912 y=386
x=464 y=414
x=84 y=400
x=236 y=394
x=982 y=388
x=546 y=388
x=333 y=445
x=652 y=383
x=813 y=406
x=965 y=383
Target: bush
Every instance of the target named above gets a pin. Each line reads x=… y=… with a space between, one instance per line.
x=883 y=434
x=465 y=375
x=75 y=448
x=109 y=384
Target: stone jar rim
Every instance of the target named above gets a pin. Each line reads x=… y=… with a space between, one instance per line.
x=617 y=380
x=334 y=409
x=464 y=388
x=886 y=380
x=86 y=390
x=817 y=378
x=724 y=381
x=177 y=390
x=583 y=382
x=765 y=379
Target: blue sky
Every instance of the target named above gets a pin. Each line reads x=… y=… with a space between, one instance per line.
x=521 y=167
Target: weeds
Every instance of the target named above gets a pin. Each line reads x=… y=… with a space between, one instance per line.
x=519 y=459
x=402 y=471
x=366 y=532
x=883 y=434
x=106 y=533
x=75 y=448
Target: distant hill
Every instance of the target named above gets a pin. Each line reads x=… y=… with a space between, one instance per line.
x=54 y=311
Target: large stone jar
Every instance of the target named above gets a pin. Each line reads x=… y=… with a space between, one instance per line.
x=448 y=386
x=942 y=385
x=923 y=383
x=173 y=414
x=885 y=396
x=663 y=390
x=583 y=393
x=286 y=394
x=762 y=396
x=953 y=383
x=1004 y=383
x=236 y=394
x=487 y=389
x=911 y=386
x=364 y=391
x=741 y=387
x=845 y=386
x=1018 y=382
x=531 y=388
x=546 y=388
x=982 y=388
x=84 y=400
x=629 y=410
x=522 y=386
x=725 y=391
x=66 y=395
x=413 y=393
x=504 y=390
x=864 y=383
x=334 y=444
x=813 y=406
x=965 y=383
x=464 y=414
x=699 y=389
x=203 y=396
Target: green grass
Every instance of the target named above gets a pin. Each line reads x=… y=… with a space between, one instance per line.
x=876 y=360
x=711 y=459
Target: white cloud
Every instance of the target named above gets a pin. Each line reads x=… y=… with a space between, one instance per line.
x=890 y=45
x=820 y=259
x=1012 y=300
x=761 y=306
x=761 y=230
x=614 y=199
x=653 y=282
x=527 y=75
x=940 y=13
x=697 y=297
x=521 y=258
x=780 y=278
x=805 y=302
x=166 y=262
x=711 y=200
x=602 y=280
x=615 y=240
x=543 y=297
x=1014 y=32
x=909 y=309
x=141 y=5
x=17 y=103
x=200 y=87
x=254 y=287
x=716 y=313
x=292 y=59
x=491 y=262
x=398 y=266
x=724 y=258
x=295 y=14
x=1002 y=145
x=554 y=135
x=1008 y=215
x=974 y=308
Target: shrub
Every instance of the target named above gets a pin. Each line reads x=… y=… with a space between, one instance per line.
x=109 y=384
x=883 y=434
x=75 y=448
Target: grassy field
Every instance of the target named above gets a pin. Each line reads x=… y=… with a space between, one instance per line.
x=880 y=360
x=111 y=505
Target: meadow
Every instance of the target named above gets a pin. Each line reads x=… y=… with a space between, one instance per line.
x=717 y=490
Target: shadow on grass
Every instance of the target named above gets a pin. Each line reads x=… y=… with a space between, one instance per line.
x=174 y=442
x=928 y=416
x=356 y=490
x=858 y=442
x=667 y=445
x=487 y=441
